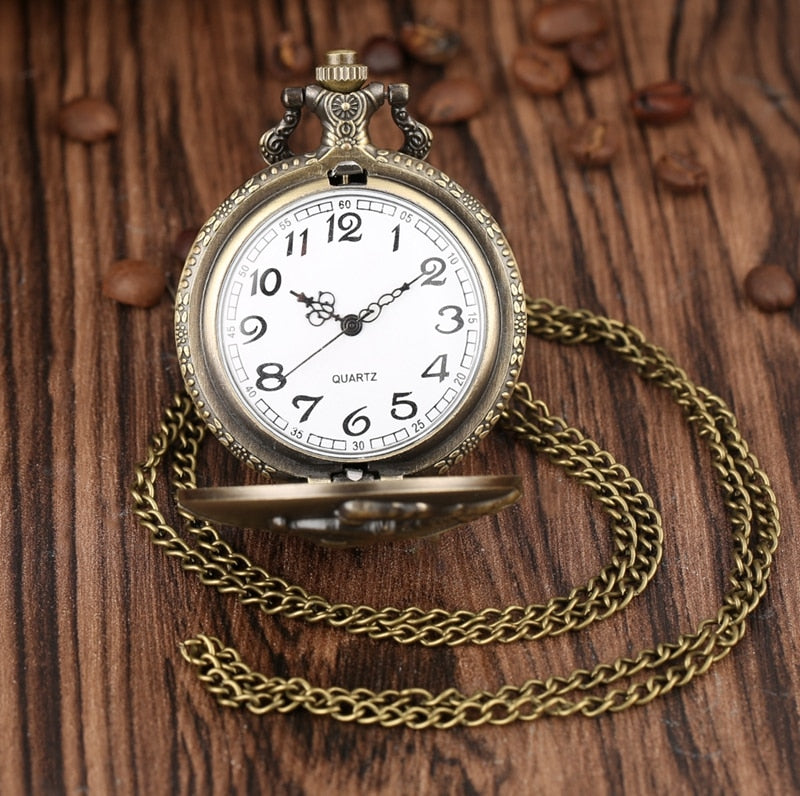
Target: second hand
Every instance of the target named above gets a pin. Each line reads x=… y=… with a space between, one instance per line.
x=353 y=324
x=312 y=355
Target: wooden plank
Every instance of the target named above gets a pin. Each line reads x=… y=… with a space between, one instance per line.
x=96 y=695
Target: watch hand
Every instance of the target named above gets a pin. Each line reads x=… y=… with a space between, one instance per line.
x=313 y=354
x=351 y=324
x=373 y=309
x=320 y=308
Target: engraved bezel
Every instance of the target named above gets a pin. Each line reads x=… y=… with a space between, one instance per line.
x=201 y=361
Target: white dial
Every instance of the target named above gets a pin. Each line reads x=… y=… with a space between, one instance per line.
x=352 y=323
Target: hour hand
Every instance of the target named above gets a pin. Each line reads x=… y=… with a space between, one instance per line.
x=320 y=309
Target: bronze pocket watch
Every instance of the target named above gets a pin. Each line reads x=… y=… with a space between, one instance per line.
x=351 y=323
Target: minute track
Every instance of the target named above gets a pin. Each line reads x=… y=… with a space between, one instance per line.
x=435 y=274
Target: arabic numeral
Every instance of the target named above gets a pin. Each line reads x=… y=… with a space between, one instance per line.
x=309 y=399
x=348 y=224
x=454 y=314
x=433 y=268
x=303 y=243
x=268 y=283
x=356 y=424
x=270 y=377
x=402 y=408
x=254 y=327
x=437 y=369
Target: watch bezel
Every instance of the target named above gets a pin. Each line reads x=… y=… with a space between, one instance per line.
x=201 y=361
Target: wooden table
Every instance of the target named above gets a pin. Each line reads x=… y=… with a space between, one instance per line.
x=95 y=695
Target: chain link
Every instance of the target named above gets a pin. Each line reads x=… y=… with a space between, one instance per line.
x=638 y=538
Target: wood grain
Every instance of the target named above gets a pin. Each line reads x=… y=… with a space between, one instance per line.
x=95 y=696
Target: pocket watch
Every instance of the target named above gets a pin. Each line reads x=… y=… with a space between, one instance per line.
x=351 y=323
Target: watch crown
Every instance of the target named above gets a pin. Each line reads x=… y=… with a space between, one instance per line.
x=341 y=72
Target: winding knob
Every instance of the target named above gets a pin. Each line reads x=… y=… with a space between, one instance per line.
x=341 y=72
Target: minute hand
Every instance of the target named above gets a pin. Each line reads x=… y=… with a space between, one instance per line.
x=373 y=309
x=351 y=325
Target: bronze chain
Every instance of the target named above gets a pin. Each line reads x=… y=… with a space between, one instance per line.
x=638 y=536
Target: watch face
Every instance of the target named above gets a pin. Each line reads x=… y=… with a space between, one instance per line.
x=351 y=322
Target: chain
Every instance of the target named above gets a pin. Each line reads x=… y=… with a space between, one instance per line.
x=638 y=538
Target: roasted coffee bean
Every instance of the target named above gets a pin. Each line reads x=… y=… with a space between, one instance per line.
x=183 y=243
x=135 y=282
x=771 y=288
x=594 y=143
x=591 y=54
x=662 y=103
x=560 y=22
x=291 y=56
x=429 y=42
x=382 y=55
x=681 y=173
x=88 y=119
x=541 y=70
x=451 y=100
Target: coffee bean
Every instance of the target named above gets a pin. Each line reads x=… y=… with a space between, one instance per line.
x=183 y=243
x=594 y=143
x=591 y=54
x=681 y=173
x=135 y=282
x=382 y=55
x=560 y=22
x=429 y=42
x=662 y=103
x=541 y=70
x=451 y=100
x=88 y=119
x=290 y=56
x=771 y=288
